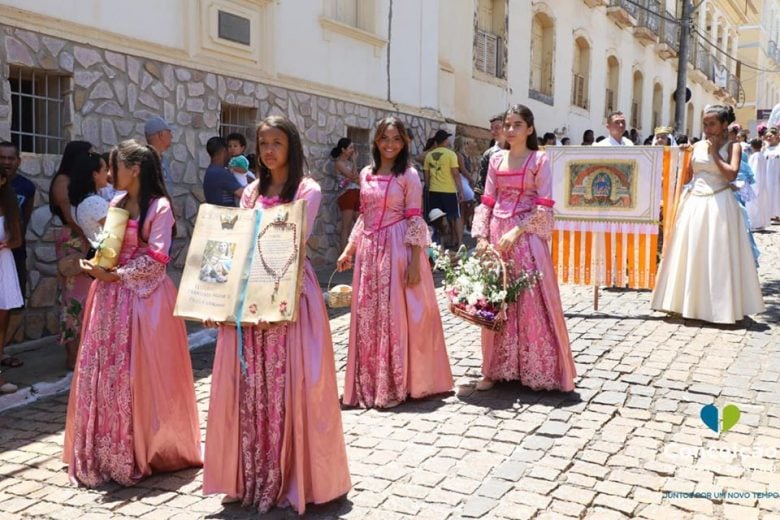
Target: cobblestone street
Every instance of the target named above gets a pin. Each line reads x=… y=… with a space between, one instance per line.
x=628 y=442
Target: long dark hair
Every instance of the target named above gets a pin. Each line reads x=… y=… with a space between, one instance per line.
x=10 y=208
x=401 y=162
x=152 y=186
x=524 y=113
x=296 y=162
x=73 y=150
x=342 y=145
x=82 y=179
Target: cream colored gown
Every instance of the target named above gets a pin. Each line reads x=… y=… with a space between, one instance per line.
x=708 y=272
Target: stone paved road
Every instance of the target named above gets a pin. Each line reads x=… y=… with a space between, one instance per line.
x=615 y=448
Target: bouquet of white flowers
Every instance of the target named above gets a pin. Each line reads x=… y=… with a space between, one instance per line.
x=478 y=286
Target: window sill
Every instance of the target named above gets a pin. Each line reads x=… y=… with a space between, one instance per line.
x=489 y=78
x=541 y=97
x=331 y=26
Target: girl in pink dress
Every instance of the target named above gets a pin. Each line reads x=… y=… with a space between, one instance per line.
x=132 y=410
x=516 y=218
x=274 y=435
x=396 y=342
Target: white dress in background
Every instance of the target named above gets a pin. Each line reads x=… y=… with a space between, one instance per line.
x=708 y=272
x=88 y=215
x=10 y=293
x=772 y=155
x=758 y=208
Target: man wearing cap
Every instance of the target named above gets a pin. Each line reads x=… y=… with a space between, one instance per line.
x=159 y=135
x=442 y=176
x=616 y=125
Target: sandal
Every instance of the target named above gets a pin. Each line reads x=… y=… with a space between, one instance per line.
x=485 y=384
x=11 y=362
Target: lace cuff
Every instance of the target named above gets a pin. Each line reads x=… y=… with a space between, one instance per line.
x=357 y=231
x=540 y=222
x=416 y=232
x=142 y=275
x=480 y=225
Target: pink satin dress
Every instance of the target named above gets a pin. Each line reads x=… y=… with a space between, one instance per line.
x=396 y=342
x=274 y=435
x=534 y=346
x=132 y=409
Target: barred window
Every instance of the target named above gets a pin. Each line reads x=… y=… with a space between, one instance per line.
x=360 y=138
x=238 y=119
x=38 y=110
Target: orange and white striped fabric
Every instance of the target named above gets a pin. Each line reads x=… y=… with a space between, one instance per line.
x=613 y=240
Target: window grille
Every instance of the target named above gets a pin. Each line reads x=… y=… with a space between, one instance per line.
x=38 y=110
x=238 y=119
x=361 y=140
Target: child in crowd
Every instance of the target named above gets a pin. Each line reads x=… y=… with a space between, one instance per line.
x=239 y=167
x=236 y=145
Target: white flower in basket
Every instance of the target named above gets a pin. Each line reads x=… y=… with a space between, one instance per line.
x=479 y=287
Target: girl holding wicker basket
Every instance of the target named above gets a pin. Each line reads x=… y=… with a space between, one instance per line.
x=516 y=218
x=396 y=342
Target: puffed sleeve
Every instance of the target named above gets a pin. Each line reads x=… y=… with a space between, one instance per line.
x=416 y=229
x=144 y=273
x=480 y=226
x=540 y=221
x=310 y=191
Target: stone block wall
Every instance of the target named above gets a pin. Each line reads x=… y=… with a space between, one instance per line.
x=110 y=97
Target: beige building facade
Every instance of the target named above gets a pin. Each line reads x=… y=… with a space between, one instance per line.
x=759 y=50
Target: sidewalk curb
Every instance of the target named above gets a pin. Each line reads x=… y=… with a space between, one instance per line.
x=30 y=394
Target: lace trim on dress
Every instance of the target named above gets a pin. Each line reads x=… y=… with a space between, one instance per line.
x=480 y=225
x=416 y=232
x=538 y=221
x=142 y=275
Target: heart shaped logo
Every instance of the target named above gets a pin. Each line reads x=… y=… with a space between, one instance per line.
x=709 y=416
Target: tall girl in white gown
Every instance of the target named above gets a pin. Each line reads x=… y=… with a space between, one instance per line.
x=708 y=273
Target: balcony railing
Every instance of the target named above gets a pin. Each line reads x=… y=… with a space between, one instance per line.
x=630 y=7
x=669 y=36
x=650 y=19
x=774 y=51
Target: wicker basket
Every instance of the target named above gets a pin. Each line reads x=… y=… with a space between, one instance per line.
x=340 y=295
x=498 y=323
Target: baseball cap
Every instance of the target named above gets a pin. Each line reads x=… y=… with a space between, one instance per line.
x=441 y=135
x=239 y=161
x=156 y=125
x=435 y=214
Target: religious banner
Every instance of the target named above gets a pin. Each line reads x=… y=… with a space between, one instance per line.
x=608 y=204
x=244 y=262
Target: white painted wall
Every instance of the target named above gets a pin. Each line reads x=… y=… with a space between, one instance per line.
x=155 y=21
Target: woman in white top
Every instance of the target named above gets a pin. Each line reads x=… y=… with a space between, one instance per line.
x=707 y=271
x=89 y=176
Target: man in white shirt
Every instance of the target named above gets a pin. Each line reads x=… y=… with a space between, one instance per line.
x=616 y=125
